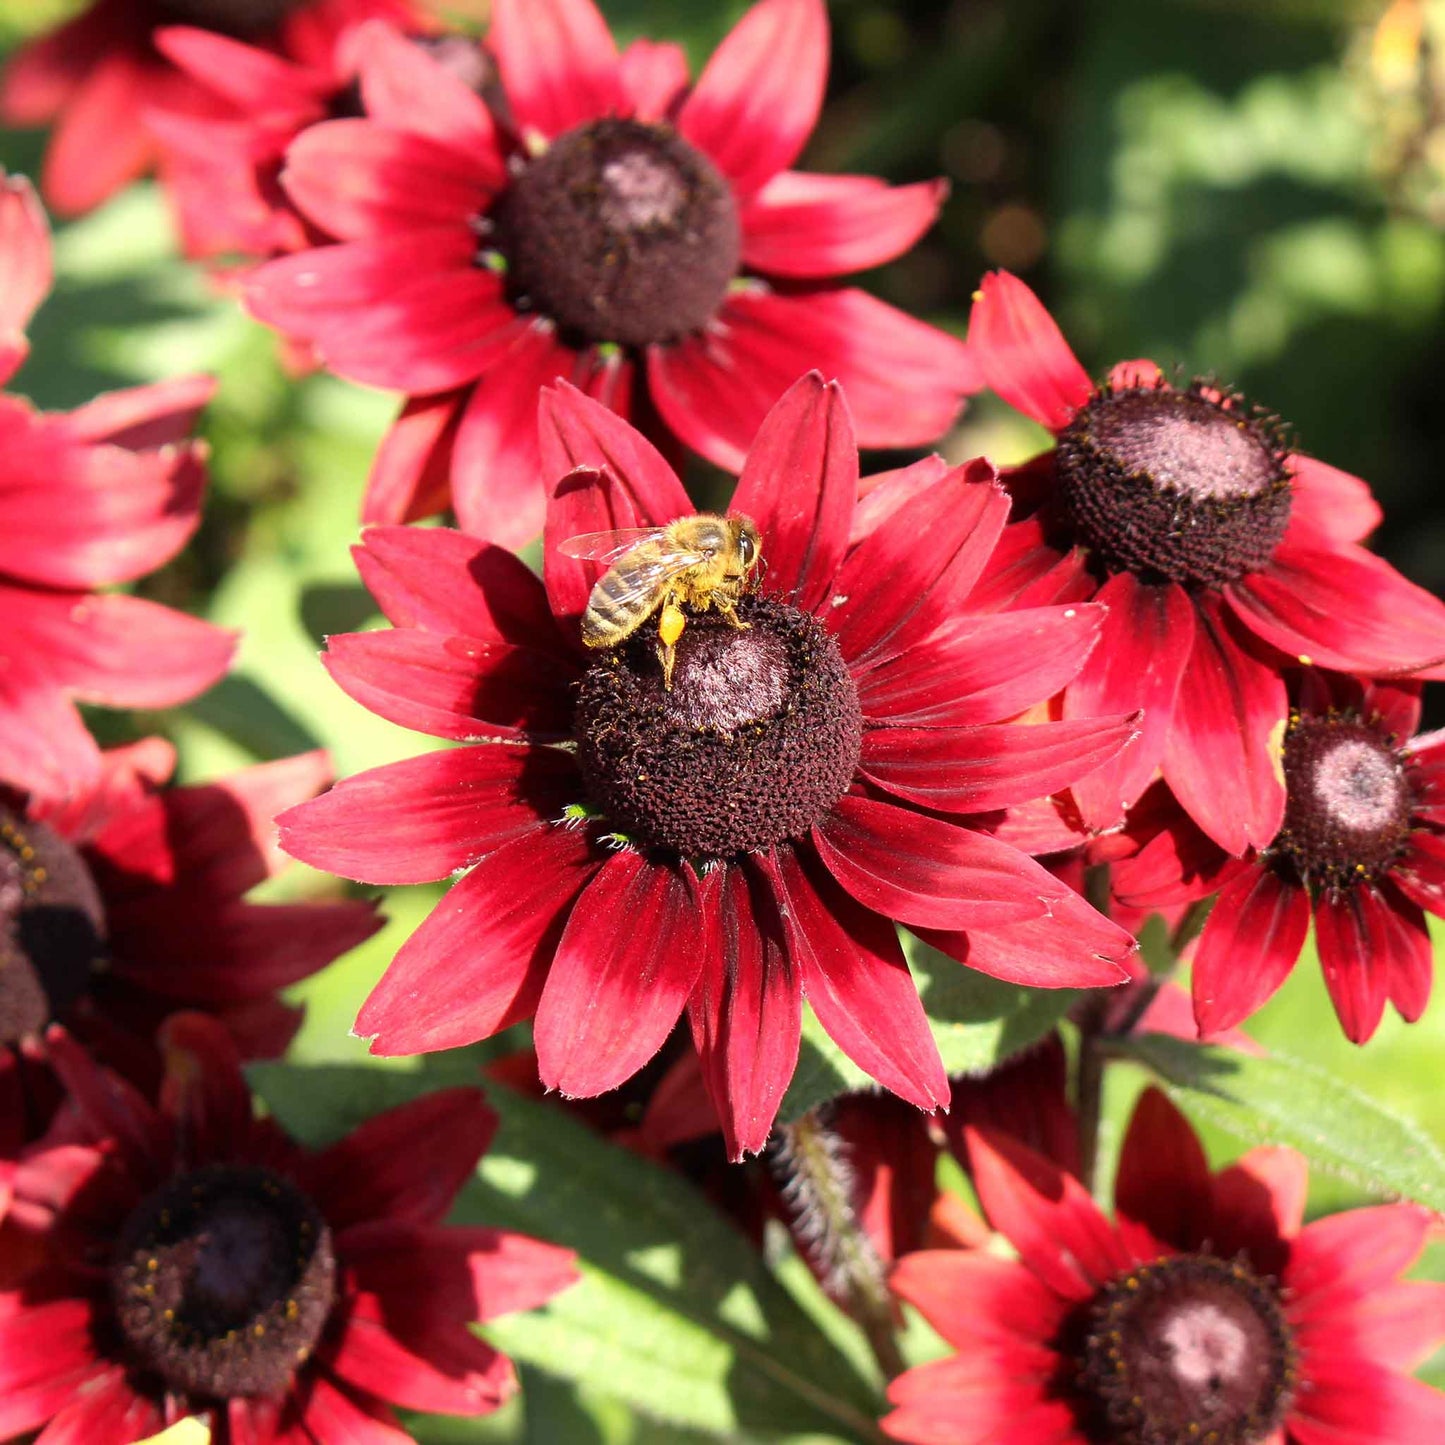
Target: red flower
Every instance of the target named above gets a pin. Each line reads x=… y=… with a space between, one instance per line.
x=129 y=902
x=90 y=498
x=1223 y=557
x=197 y=1260
x=743 y=840
x=222 y=165
x=610 y=225
x=1361 y=848
x=1204 y=1312
x=97 y=77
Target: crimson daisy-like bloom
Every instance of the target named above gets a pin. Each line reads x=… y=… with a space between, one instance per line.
x=1361 y=850
x=128 y=902
x=96 y=78
x=743 y=840
x=1204 y=1311
x=607 y=224
x=197 y=1261
x=88 y=498
x=1224 y=557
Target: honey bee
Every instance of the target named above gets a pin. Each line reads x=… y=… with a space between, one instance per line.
x=696 y=562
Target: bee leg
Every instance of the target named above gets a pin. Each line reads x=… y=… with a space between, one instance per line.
x=729 y=611
x=669 y=629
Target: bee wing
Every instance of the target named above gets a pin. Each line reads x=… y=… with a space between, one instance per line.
x=606 y=546
x=644 y=582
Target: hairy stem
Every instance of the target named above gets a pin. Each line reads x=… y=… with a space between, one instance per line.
x=817 y=1184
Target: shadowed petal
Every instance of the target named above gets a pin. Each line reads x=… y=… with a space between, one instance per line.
x=1250 y=943
x=746 y=1012
x=478 y=962
x=757 y=100
x=1229 y=720
x=1163 y=1182
x=1145 y=644
x=920 y=870
x=1363 y=943
x=857 y=980
x=629 y=957
x=411 y=475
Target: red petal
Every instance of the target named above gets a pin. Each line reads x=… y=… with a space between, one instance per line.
x=453 y=1273
x=980 y=669
x=419 y=820
x=880 y=494
x=403 y=87
x=1396 y=1325
x=105 y=1410
x=746 y=1011
x=142 y=418
x=46 y=1354
x=805 y=226
x=856 y=978
x=1022 y=354
x=903 y=380
x=971 y=1295
x=79 y=515
x=252 y=79
x=1229 y=721
x=1346 y=1257
x=1072 y=946
x=1329 y=507
x=576 y=431
x=921 y=870
x=478 y=963
x=332 y=1415
x=109 y=1106
x=44 y=746
x=1250 y=943
x=359 y=181
x=558 y=62
x=914 y=568
x=1365 y=1405
x=1411 y=957
x=798 y=485
x=25 y=262
x=471 y=1378
x=1163 y=1181
x=1046 y=1215
x=497 y=486
x=411 y=475
x=758 y=99
x=1342 y=607
x=453 y=687
x=406 y=1164
x=656 y=77
x=1143 y=648
x=100 y=142
x=447 y=582
x=976 y=769
x=629 y=957
x=1362 y=943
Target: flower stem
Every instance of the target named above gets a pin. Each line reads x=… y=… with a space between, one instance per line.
x=817 y=1184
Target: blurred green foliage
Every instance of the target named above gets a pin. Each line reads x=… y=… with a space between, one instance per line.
x=1198 y=181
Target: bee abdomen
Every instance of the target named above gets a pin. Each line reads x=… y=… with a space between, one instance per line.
x=609 y=619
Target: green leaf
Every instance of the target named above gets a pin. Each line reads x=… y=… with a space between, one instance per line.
x=677 y=1316
x=1280 y=1100
x=977 y=1023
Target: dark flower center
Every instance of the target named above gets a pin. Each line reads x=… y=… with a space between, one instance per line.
x=1187 y=1349
x=223 y=1280
x=758 y=737
x=620 y=232
x=1174 y=484
x=1348 y=801
x=230 y=17
x=52 y=926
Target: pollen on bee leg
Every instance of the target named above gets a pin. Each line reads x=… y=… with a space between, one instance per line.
x=671 y=624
